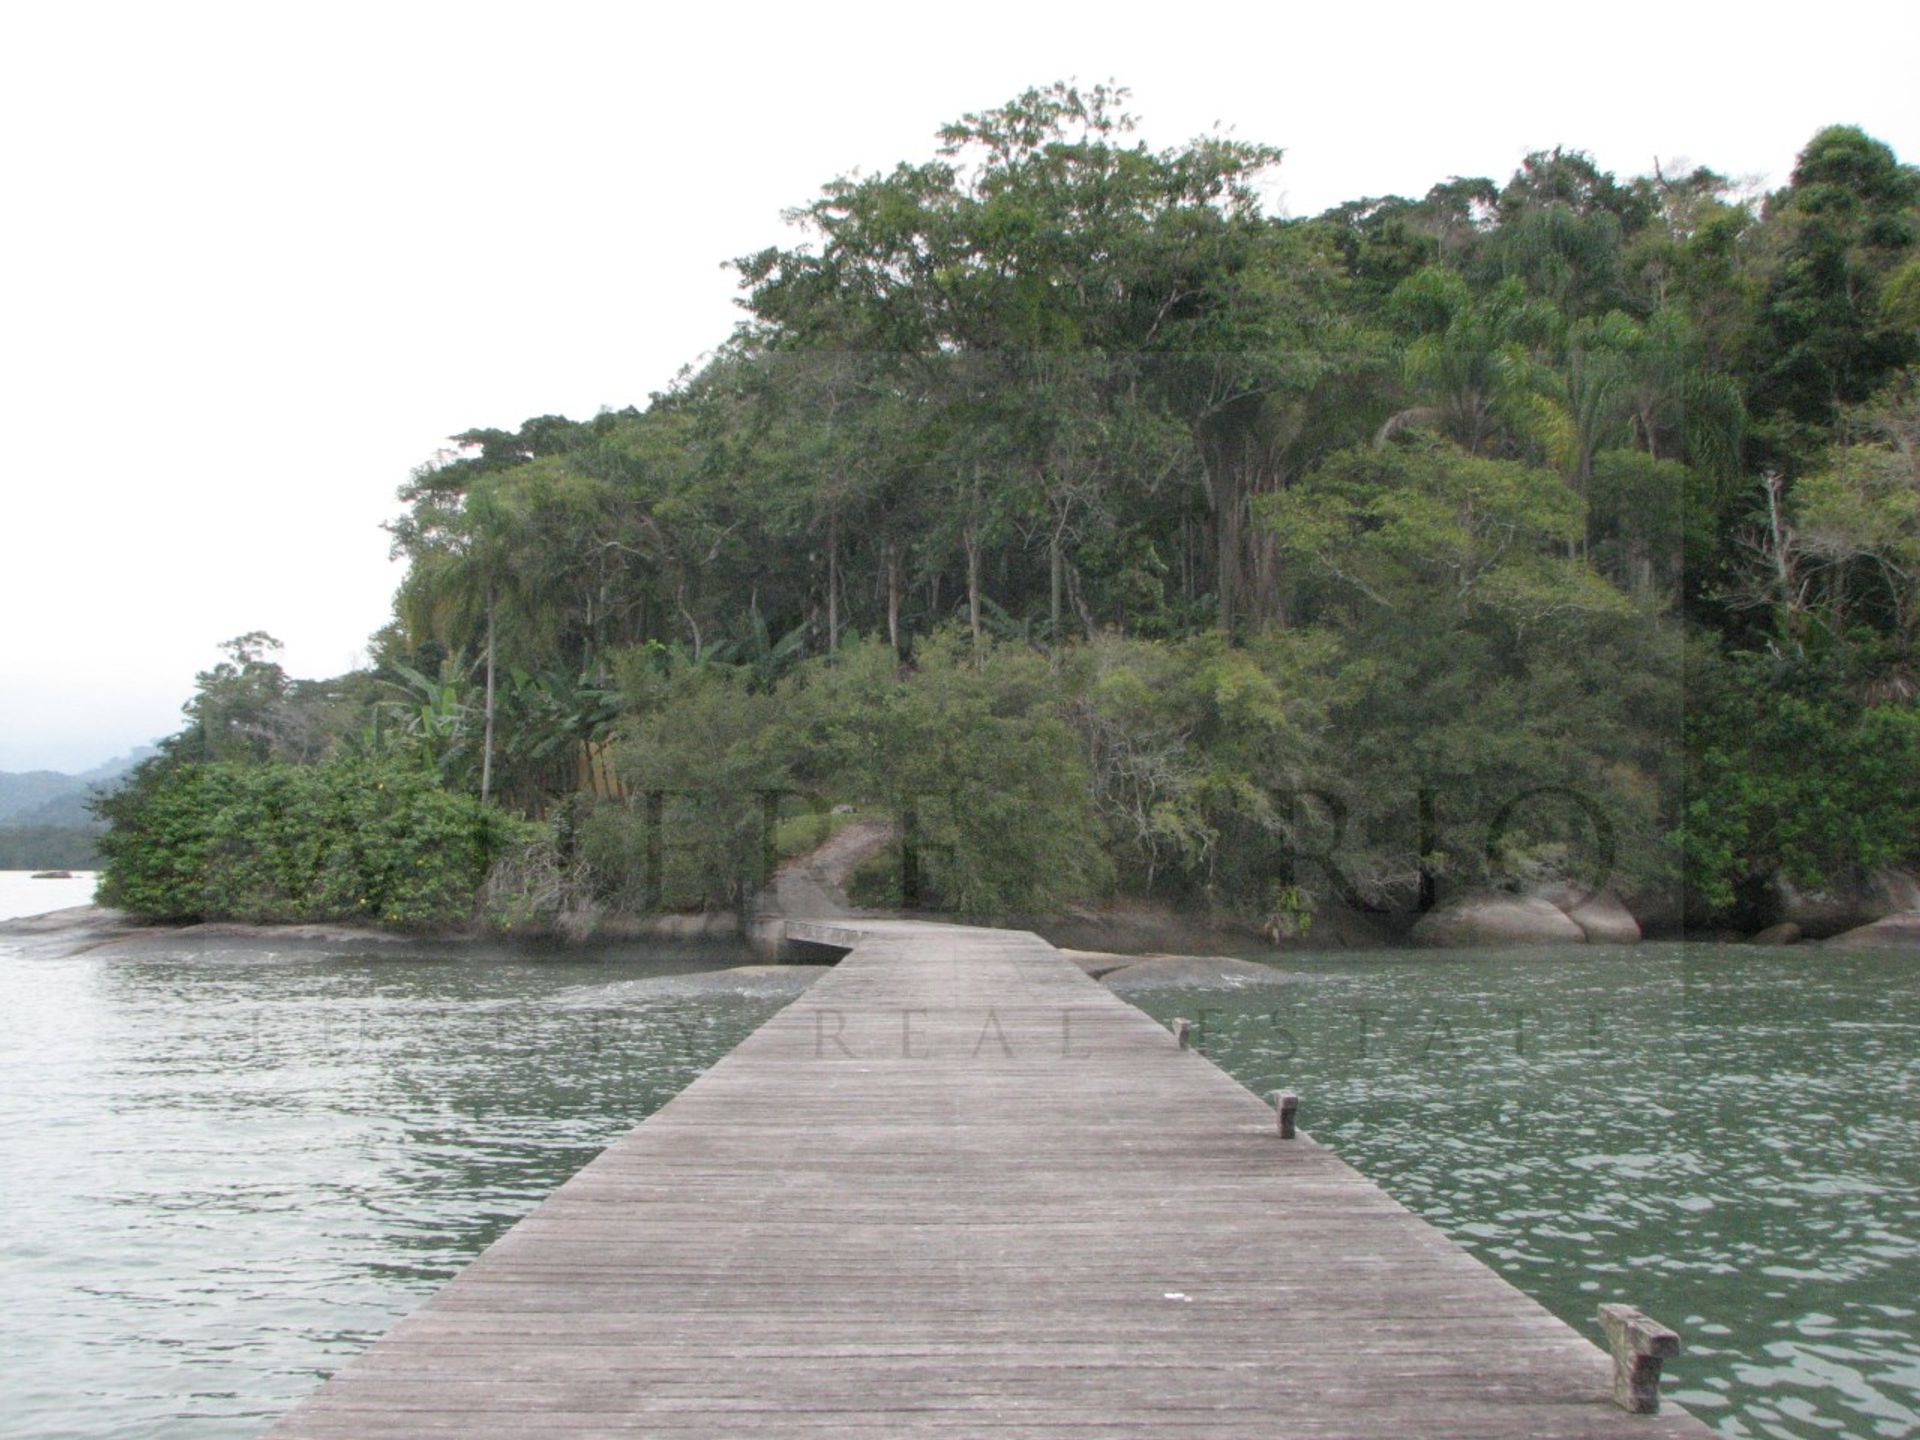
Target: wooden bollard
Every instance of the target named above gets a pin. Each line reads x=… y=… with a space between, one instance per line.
x=1183 y=1033
x=1639 y=1347
x=1286 y=1105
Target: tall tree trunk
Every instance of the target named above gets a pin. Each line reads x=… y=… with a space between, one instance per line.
x=693 y=625
x=833 y=584
x=1224 y=469
x=972 y=541
x=1267 y=603
x=1186 y=560
x=1227 y=503
x=1789 y=592
x=1056 y=573
x=1077 y=594
x=896 y=555
x=486 y=744
x=1057 y=579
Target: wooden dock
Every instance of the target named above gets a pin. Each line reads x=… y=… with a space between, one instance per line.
x=960 y=1189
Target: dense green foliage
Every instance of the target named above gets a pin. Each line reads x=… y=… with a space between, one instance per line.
x=48 y=847
x=1808 y=783
x=340 y=840
x=975 y=759
x=1111 y=532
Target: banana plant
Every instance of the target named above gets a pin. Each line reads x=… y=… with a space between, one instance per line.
x=435 y=714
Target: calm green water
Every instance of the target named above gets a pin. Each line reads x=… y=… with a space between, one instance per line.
x=1727 y=1137
x=223 y=1172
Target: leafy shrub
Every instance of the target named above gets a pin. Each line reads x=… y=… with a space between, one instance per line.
x=972 y=757
x=371 y=841
x=1787 y=775
x=705 y=749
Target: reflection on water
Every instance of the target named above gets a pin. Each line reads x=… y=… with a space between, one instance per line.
x=223 y=1172
x=1727 y=1137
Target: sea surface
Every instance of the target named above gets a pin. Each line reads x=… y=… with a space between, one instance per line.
x=21 y=894
x=1726 y=1136
x=225 y=1169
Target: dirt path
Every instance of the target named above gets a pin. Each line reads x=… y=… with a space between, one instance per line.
x=814 y=885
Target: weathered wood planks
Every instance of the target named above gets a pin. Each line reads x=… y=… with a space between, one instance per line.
x=960 y=1189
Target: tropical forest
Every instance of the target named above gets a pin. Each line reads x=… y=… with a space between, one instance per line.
x=1119 y=542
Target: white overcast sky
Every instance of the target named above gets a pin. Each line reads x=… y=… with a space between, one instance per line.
x=257 y=261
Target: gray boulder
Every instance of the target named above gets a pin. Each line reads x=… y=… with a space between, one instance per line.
x=1601 y=915
x=754 y=982
x=1099 y=963
x=1167 y=972
x=1893 y=932
x=74 y=917
x=1845 y=905
x=1487 y=919
x=1604 y=920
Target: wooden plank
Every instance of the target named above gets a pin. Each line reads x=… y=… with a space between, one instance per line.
x=959 y=1188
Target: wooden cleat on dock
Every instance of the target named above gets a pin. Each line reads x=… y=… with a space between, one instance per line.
x=1640 y=1346
x=1286 y=1107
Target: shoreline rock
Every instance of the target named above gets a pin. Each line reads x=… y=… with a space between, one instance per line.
x=1891 y=932
x=1605 y=920
x=1489 y=919
x=72 y=917
x=749 y=981
x=103 y=926
x=1167 y=972
x=1140 y=928
x=1843 y=907
x=1101 y=963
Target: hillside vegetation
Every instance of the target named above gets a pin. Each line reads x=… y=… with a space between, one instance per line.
x=1117 y=536
x=46 y=819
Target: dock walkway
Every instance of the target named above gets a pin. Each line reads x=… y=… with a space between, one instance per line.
x=960 y=1189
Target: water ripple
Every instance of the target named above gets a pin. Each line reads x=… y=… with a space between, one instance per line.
x=1723 y=1136
x=222 y=1173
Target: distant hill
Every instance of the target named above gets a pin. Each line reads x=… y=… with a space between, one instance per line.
x=28 y=791
x=45 y=847
x=68 y=808
x=50 y=798
x=120 y=764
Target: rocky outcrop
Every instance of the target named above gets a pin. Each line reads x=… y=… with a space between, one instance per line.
x=1602 y=916
x=1604 y=920
x=693 y=925
x=1098 y=963
x=1891 y=932
x=73 y=918
x=1486 y=919
x=1785 y=933
x=751 y=982
x=1139 y=928
x=324 y=934
x=1167 y=972
x=1842 y=906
